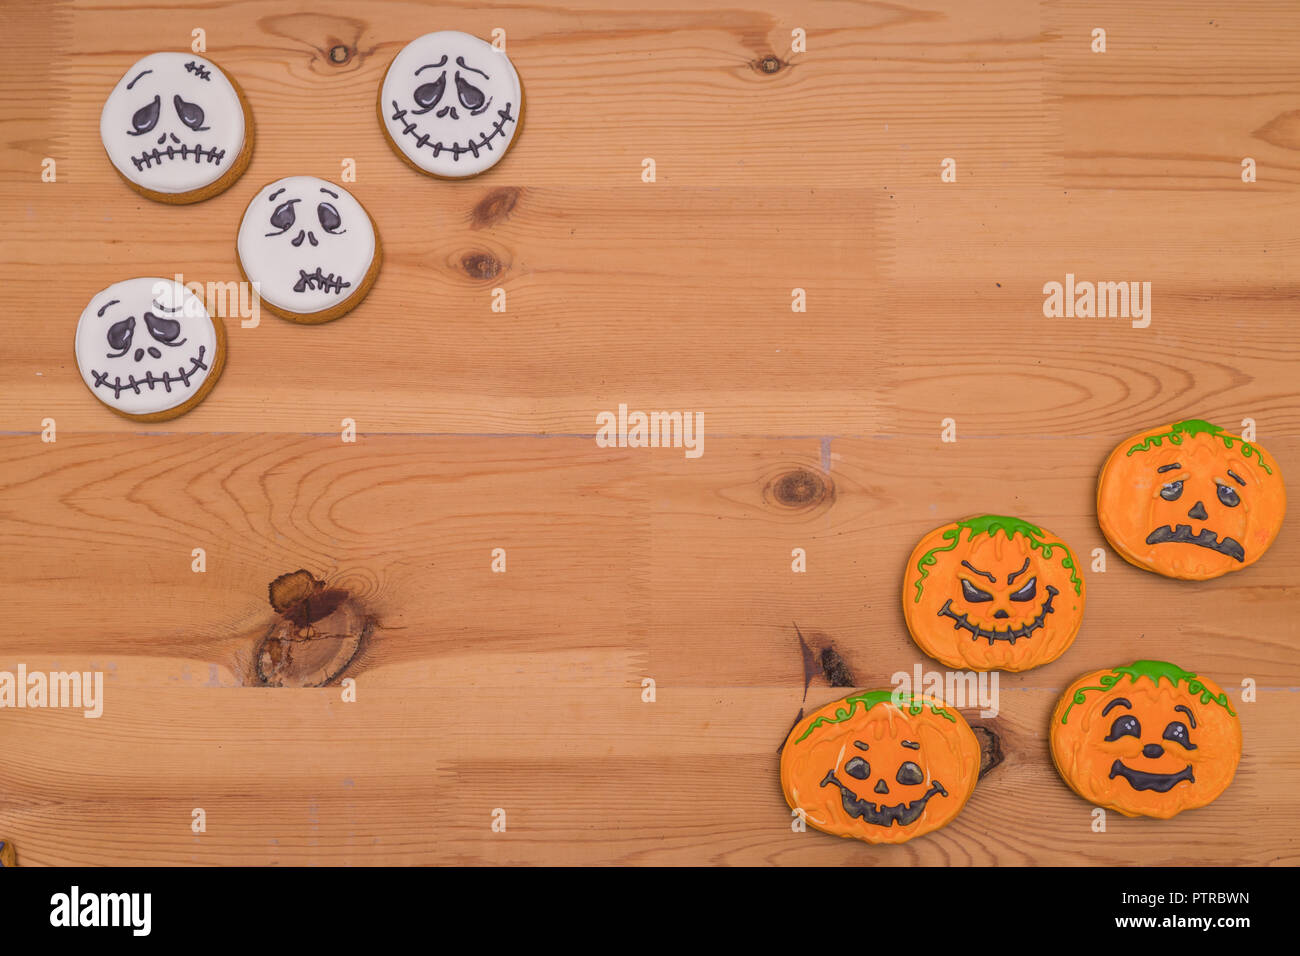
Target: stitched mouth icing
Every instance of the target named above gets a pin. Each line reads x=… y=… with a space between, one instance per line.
x=182 y=376
x=1011 y=634
x=152 y=157
x=1182 y=534
x=1159 y=782
x=456 y=149
x=313 y=281
x=902 y=813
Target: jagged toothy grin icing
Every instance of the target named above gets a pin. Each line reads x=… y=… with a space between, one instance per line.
x=1011 y=634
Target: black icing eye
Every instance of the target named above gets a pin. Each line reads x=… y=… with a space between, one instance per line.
x=1027 y=592
x=471 y=97
x=191 y=114
x=427 y=95
x=119 y=335
x=973 y=594
x=1228 y=496
x=164 y=330
x=909 y=774
x=858 y=768
x=329 y=217
x=1172 y=491
x=1126 y=725
x=283 y=217
x=146 y=117
x=1177 y=732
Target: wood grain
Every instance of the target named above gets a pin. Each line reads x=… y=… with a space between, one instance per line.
x=775 y=170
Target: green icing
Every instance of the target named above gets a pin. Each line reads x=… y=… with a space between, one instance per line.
x=1154 y=671
x=871 y=698
x=1190 y=429
x=990 y=525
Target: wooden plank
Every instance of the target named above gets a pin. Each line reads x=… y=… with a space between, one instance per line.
x=775 y=171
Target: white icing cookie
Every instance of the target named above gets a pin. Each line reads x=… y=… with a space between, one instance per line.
x=309 y=248
x=451 y=104
x=148 y=349
x=176 y=128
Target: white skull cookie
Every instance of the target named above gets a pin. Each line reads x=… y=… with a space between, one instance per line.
x=451 y=104
x=309 y=248
x=177 y=128
x=148 y=349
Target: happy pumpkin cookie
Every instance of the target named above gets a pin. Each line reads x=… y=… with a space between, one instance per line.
x=148 y=348
x=451 y=104
x=177 y=128
x=310 y=249
x=1191 y=501
x=882 y=772
x=992 y=593
x=1149 y=739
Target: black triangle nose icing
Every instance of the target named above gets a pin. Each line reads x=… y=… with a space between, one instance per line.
x=1198 y=512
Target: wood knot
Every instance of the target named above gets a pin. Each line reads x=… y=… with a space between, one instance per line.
x=340 y=54
x=800 y=488
x=317 y=635
x=768 y=64
x=481 y=265
x=990 y=748
x=821 y=659
x=494 y=207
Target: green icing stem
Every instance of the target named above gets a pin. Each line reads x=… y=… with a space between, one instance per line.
x=1193 y=427
x=871 y=698
x=1153 y=671
x=990 y=525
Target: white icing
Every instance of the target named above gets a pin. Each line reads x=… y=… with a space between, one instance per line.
x=330 y=259
x=462 y=122
x=133 y=357
x=169 y=146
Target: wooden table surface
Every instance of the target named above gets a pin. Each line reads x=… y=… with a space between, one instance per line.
x=775 y=170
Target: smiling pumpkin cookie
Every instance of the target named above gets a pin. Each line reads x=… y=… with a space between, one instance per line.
x=992 y=593
x=1147 y=739
x=1191 y=501
x=880 y=771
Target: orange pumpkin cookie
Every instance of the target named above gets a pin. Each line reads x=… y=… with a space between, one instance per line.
x=1149 y=739
x=992 y=593
x=1191 y=501
x=882 y=772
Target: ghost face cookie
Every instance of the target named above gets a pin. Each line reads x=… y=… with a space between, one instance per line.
x=148 y=349
x=1191 y=501
x=1147 y=739
x=176 y=128
x=451 y=104
x=880 y=770
x=992 y=593
x=309 y=248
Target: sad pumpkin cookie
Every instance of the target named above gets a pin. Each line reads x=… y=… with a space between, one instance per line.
x=1191 y=501
x=869 y=768
x=992 y=593
x=1147 y=739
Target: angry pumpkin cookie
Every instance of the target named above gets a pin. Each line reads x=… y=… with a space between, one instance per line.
x=880 y=771
x=1148 y=739
x=1191 y=501
x=992 y=593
